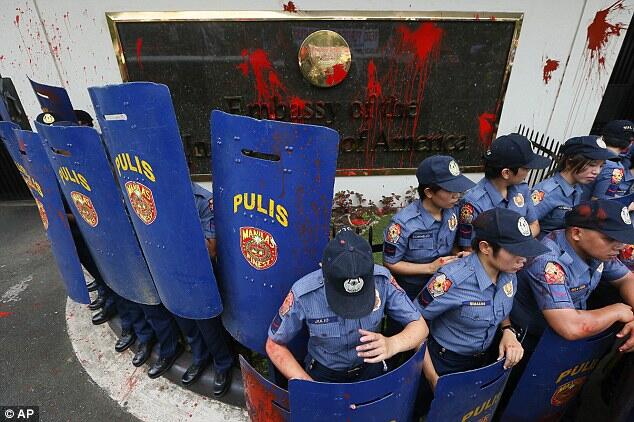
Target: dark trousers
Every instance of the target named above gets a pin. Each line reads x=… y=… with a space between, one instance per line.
x=207 y=339
x=133 y=320
x=321 y=373
x=164 y=327
x=447 y=362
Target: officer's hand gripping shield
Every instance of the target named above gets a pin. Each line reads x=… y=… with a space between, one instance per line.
x=141 y=135
x=83 y=171
x=273 y=187
x=555 y=375
x=469 y=396
x=29 y=156
x=389 y=397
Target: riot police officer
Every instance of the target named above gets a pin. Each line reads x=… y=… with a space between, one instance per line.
x=580 y=162
x=469 y=301
x=555 y=287
x=420 y=238
x=206 y=337
x=615 y=179
x=343 y=305
x=506 y=165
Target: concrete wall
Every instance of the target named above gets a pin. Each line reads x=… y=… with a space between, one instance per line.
x=68 y=43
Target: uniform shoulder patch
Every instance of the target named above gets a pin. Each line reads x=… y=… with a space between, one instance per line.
x=393 y=233
x=466 y=213
x=394 y=283
x=438 y=285
x=554 y=273
x=617 y=176
x=537 y=196
x=287 y=304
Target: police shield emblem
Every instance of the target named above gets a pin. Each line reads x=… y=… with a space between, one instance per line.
x=469 y=396
x=142 y=136
x=273 y=187
x=84 y=174
x=35 y=168
x=551 y=380
x=389 y=397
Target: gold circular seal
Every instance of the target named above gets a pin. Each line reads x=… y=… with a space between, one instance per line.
x=324 y=58
x=48 y=118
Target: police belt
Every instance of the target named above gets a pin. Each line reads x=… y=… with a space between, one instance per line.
x=443 y=351
x=332 y=373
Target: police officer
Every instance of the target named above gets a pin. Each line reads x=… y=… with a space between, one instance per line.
x=615 y=179
x=420 y=238
x=580 y=162
x=506 y=165
x=206 y=337
x=469 y=301
x=343 y=305
x=555 y=287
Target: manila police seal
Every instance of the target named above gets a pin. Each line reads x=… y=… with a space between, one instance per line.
x=142 y=201
x=258 y=247
x=42 y=212
x=523 y=227
x=567 y=391
x=85 y=207
x=453 y=168
x=625 y=216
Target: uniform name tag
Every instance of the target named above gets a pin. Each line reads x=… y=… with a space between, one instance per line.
x=421 y=235
x=565 y=208
x=578 y=288
x=477 y=303
x=324 y=320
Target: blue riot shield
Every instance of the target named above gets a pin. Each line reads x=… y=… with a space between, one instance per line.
x=54 y=99
x=266 y=402
x=389 y=397
x=34 y=167
x=555 y=374
x=141 y=134
x=273 y=187
x=85 y=177
x=469 y=396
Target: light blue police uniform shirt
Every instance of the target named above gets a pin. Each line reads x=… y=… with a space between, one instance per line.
x=333 y=339
x=413 y=235
x=484 y=196
x=204 y=205
x=559 y=279
x=552 y=199
x=464 y=307
x=613 y=181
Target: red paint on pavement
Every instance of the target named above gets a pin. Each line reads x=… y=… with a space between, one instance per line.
x=549 y=67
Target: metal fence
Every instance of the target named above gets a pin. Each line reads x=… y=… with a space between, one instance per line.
x=545 y=146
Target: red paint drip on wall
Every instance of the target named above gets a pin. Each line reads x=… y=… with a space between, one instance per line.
x=290 y=7
x=487 y=123
x=139 y=45
x=5 y=314
x=549 y=67
x=374 y=86
x=336 y=74
x=600 y=30
x=17 y=20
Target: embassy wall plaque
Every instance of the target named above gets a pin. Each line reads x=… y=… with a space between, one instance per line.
x=409 y=86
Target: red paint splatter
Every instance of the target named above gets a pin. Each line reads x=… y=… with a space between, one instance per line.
x=17 y=20
x=549 y=67
x=290 y=7
x=336 y=75
x=139 y=45
x=487 y=125
x=600 y=30
x=1 y=57
x=5 y=314
x=373 y=86
x=297 y=108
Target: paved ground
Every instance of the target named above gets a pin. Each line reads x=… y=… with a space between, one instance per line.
x=39 y=366
x=71 y=372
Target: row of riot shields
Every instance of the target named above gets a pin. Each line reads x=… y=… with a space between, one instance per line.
x=129 y=190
